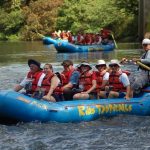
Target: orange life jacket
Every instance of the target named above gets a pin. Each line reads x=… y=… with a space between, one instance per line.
x=115 y=82
x=98 y=39
x=99 y=78
x=88 y=39
x=70 y=38
x=35 y=78
x=46 y=83
x=66 y=76
x=86 y=80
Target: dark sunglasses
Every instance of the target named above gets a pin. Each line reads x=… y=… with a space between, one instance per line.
x=65 y=65
x=100 y=66
x=145 y=44
x=115 y=65
x=84 y=66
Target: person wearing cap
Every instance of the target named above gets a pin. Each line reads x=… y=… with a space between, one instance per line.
x=102 y=78
x=87 y=82
x=141 y=77
x=70 y=80
x=30 y=82
x=119 y=84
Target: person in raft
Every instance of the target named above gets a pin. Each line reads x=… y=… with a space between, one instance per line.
x=102 y=78
x=70 y=79
x=31 y=80
x=141 y=78
x=119 y=84
x=87 y=82
x=50 y=85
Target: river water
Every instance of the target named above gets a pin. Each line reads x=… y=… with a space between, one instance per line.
x=119 y=133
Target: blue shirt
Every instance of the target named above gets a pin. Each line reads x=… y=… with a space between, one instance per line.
x=146 y=57
x=74 y=79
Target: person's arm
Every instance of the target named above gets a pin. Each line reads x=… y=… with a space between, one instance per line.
x=105 y=80
x=20 y=86
x=74 y=79
x=127 y=96
x=54 y=83
x=126 y=83
x=146 y=60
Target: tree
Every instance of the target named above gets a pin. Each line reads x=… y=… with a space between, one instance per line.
x=11 y=19
x=40 y=16
x=130 y=6
x=91 y=15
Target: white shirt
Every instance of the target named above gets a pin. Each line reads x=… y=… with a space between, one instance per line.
x=124 y=79
x=146 y=60
x=26 y=80
x=106 y=76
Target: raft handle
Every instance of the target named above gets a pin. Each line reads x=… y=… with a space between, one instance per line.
x=53 y=110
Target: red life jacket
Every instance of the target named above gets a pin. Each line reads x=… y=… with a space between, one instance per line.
x=88 y=39
x=66 y=76
x=86 y=80
x=46 y=83
x=115 y=82
x=80 y=39
x=98 y=39
x=35 y=77
x=99 y=78
x=70 y=39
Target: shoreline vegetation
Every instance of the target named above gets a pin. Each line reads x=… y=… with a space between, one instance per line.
x=20 y=17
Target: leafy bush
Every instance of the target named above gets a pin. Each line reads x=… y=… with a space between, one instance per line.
x=10 y=22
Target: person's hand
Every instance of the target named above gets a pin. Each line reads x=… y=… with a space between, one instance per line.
x=136 y=59
x=47 y=97
x=124 y=61
x=84 y=92
x=107 y=88
x=127 y=97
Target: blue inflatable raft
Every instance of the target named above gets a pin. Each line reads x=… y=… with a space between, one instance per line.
x=16 y=106
x=64 y=46
x=48 y=40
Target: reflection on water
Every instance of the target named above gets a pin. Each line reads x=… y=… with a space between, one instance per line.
x=20 y=52
x=120 y=133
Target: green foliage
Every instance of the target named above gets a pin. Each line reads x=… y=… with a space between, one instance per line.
x=91 y=15
x=130 y=6
x=10 y=22
x=22 y=17
x=41 y=17
x=13 y=37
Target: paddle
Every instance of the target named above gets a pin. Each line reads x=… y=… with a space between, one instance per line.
x=114 y=40
x=126 y=61
x=39 y=34
x=143 y=65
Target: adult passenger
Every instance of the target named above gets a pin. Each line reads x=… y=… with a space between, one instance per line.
x=141 y=78
x=102 y=78
x=87 y=82
x=50 y=85
x=70 y=81
x=119 y=85
x=30 y=82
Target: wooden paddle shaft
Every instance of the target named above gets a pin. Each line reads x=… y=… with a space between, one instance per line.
x=143 y=65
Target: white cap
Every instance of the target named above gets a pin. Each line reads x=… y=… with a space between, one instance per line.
x=84 y=64
x=146 y=41
x=114 y=62
x=101 y=62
